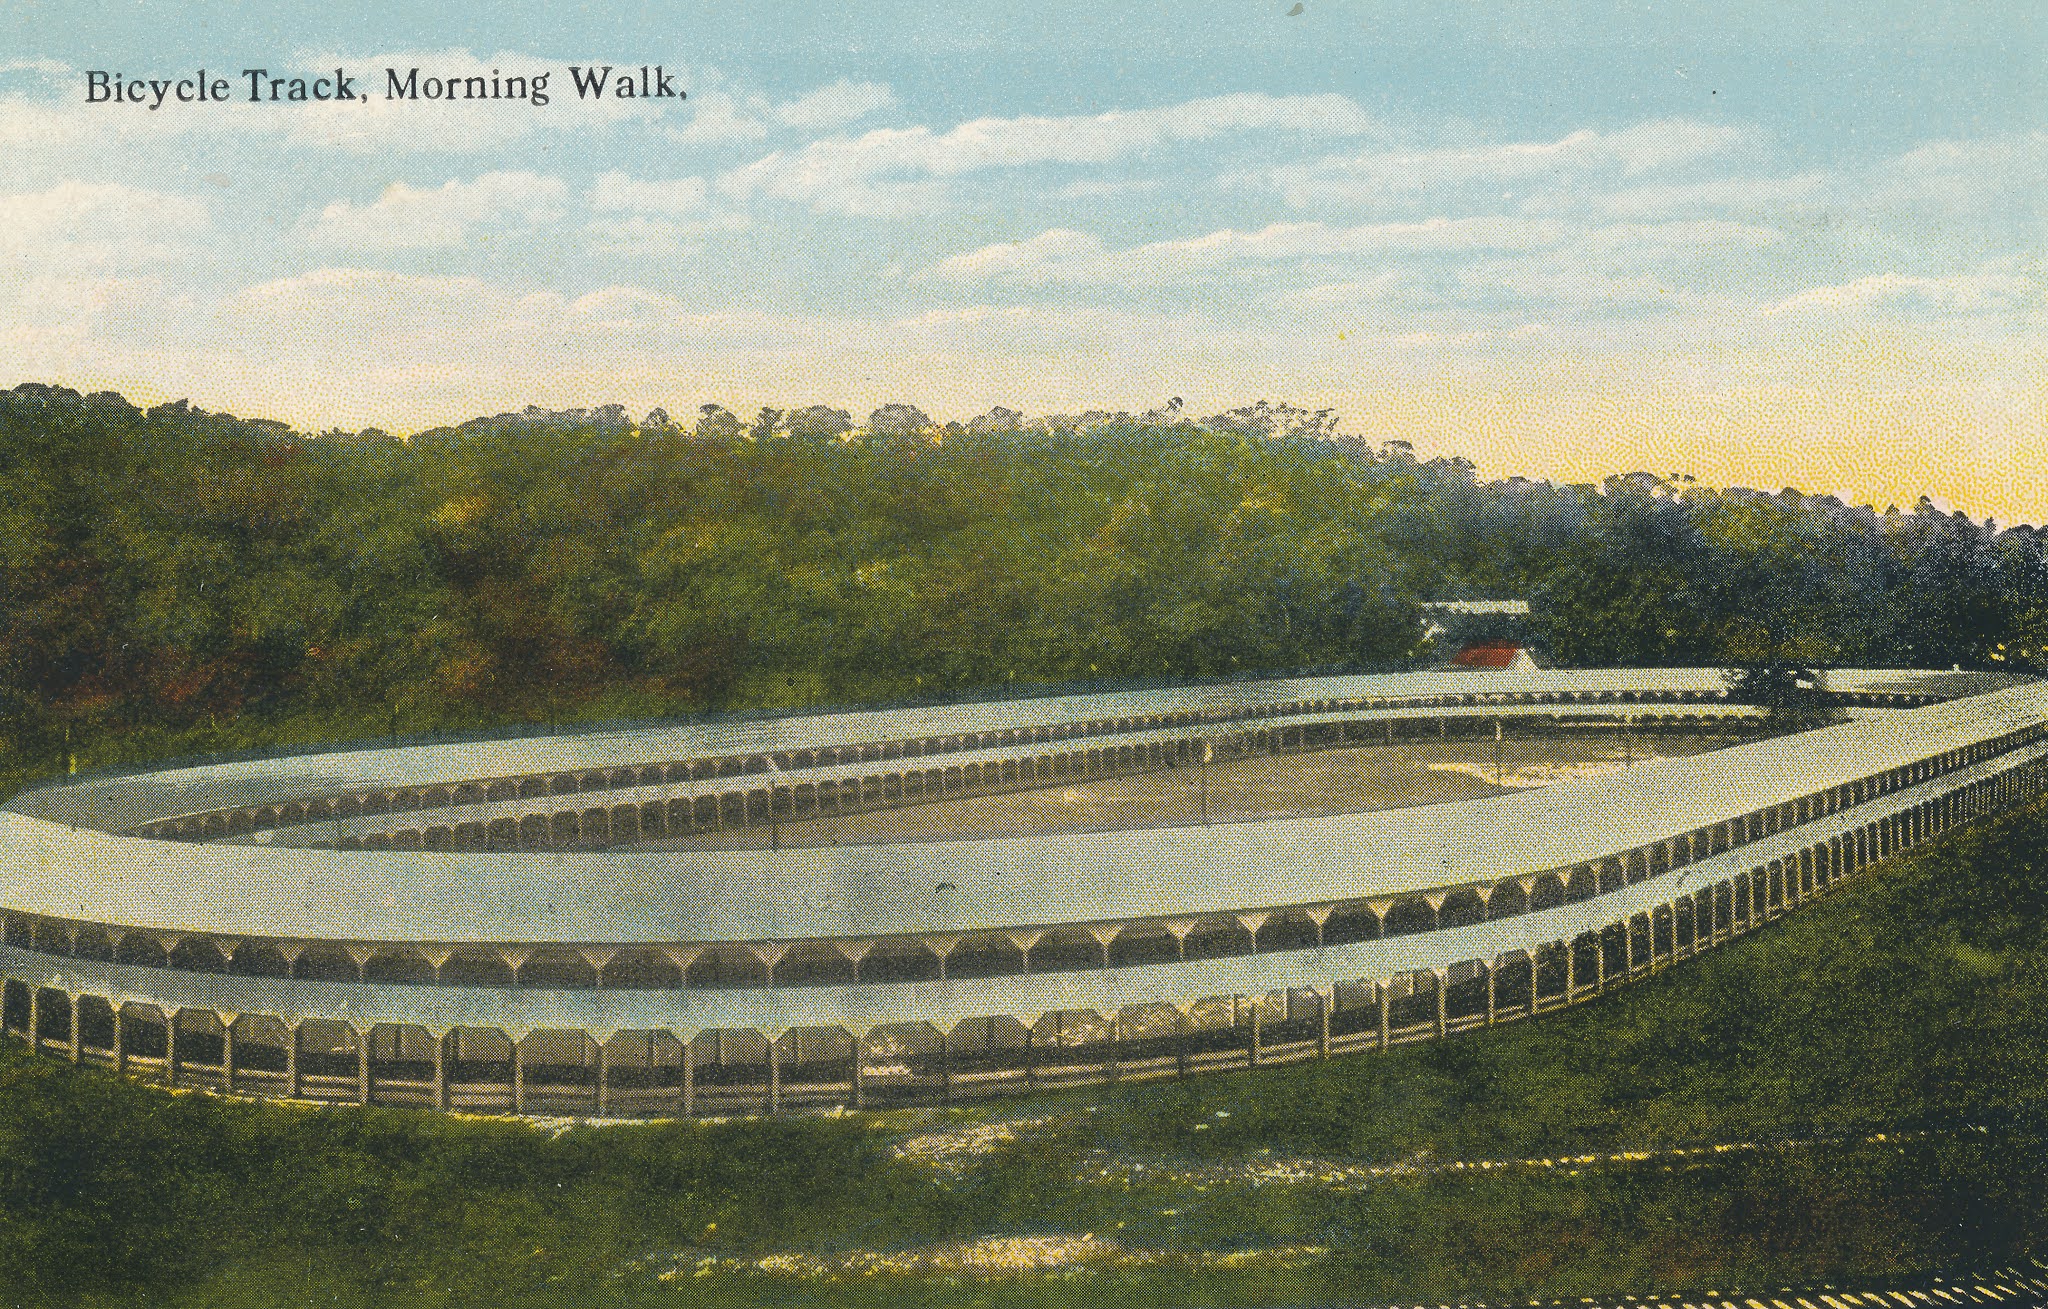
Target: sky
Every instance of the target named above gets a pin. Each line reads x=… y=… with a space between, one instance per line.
x=1765 y=244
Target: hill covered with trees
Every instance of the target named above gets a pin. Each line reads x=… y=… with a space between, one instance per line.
x=172 y=579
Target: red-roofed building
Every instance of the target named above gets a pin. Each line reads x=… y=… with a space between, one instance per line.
x=1493 y=655
x=1482 y=635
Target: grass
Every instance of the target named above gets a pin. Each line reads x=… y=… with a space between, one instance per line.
x=1915 y=1001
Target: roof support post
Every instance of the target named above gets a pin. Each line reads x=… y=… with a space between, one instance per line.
x=689 y=1081
x=441 y=1068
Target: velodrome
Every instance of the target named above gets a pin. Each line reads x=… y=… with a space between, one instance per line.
x=257 y=925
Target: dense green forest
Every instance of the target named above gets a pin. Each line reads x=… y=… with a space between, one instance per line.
x=172 y=579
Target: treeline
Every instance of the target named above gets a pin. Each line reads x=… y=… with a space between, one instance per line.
x=201 y=580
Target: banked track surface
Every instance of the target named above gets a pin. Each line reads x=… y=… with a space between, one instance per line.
x=619 y=982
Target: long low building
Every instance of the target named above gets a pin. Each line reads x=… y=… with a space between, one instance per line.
x=486 y=925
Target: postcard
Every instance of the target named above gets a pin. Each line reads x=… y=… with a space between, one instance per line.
x=1272 y=652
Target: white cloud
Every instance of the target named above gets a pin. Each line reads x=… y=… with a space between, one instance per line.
x=99 y=223
x=718 y=117
x=49 y=68
x=1378 y=175
x=642 y=236
x=1746 y=194
x=841 y=102
x=1990 y=291
x=1993 y=180
x=870 y=174
x=1063 y=255
x=408 y=217
x=1980 y=157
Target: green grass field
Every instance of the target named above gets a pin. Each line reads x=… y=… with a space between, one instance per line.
x=1713 y=1128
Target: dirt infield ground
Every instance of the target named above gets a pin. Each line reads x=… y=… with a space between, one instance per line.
x=1239 y=790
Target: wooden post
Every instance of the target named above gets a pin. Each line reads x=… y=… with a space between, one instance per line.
x=774 y=1080
x=171 y=1048
x=604 y=1079
x=35 y=1019
x=689 y=1081
x=1442 y=981
x=1180 y=1044
x=1380 y=989
x=1323 y=1003
x=77 y=1042
x=858 y=1079
x=518 y=1078
x=120 y=1040
x=1532 y=982
x=363 y=1065
x=441 y=1069
x=293 y=1087
x=227 y=1058
x=1258 y=1014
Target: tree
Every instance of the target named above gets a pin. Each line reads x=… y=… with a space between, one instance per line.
x=1793 y=699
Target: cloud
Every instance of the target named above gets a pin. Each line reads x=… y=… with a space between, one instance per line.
x=889 y=170
x=99 y=223
x=718 y=117
x=408 y=217
x=1377 y=175
x=1991 y=180
x=49 y=68
x=1745 y=194
x=1980 y=157
x=645 y=236
x=1064 y=255
x=841 y=102
x=1980 y=292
